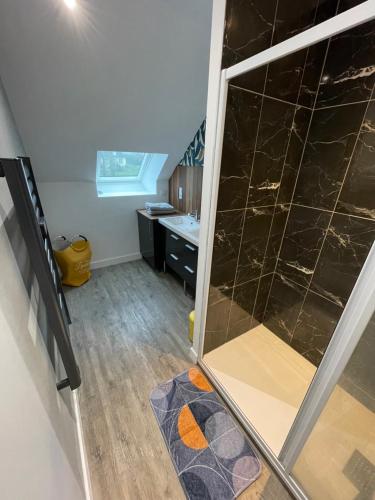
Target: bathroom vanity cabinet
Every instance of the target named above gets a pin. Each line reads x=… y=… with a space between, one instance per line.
x=162 y=247
x=151 y=239
x=182 y=257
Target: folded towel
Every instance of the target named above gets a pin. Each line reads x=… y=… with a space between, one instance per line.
x=161 y=213
x=158 y=206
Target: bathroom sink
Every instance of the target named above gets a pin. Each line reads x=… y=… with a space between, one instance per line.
x=183 y=225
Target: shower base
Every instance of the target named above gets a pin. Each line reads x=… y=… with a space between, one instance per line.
x=268 y=381
x=266 y=378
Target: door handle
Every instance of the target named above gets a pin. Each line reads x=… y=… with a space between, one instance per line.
x=190 y=247
x=174 y=236
x=174 y=257
x=189 y=269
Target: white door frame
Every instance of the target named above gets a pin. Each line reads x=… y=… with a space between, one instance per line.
x=210 y=177
x=216 y=107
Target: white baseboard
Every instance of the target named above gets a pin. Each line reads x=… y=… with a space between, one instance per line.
x=193 y=355
x=111 y=261
x=82 y=448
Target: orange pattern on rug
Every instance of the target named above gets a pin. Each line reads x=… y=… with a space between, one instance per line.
x=199 y=380
x=189 y=430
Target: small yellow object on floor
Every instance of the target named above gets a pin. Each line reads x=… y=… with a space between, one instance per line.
x=74 y=262
x=191 y=325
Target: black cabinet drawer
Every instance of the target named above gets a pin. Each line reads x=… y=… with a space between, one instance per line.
x=182 y=257
x=174 y=261
x=189 y=274
x=190 y=255
x=174 y=243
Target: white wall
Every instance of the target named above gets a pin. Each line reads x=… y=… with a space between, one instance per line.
x=109 y=223
x=120 y=75
x=40 y=457
x=123 y=75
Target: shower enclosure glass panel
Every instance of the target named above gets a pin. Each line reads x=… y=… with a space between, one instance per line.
x=294 y=224
x=338 y=459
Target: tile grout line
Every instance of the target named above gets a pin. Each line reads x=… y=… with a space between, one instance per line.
x=342 y=185
x=338 y=195
x=372 y=99
x=252 y=170
x=251 y=174
x=251 y=208
x=295 y=186
x=278 y=195
x=297 y=176
x=334 y=211
x=320 y=108
x=299 y=205
x=274 y=211
x=295 y=183
x=283 y=276
x=254 y=279
x=271 y=97
x=302 y=153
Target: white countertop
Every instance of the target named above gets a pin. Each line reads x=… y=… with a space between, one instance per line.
x=183 y=225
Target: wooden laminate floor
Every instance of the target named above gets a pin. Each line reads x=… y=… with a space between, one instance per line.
x=129 y=332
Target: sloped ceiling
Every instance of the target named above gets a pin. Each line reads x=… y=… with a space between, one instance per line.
x=127 y=75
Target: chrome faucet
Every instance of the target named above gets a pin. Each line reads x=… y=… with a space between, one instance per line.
x=194 y=214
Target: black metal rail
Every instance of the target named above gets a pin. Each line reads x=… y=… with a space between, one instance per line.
x=21 y=183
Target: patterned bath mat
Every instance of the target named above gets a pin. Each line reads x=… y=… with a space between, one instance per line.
x=211 y=455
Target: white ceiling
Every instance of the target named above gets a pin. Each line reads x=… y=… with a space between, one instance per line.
x=126 y=75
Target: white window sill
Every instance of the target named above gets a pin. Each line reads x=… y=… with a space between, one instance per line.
x=116 y=189
x=113 y=195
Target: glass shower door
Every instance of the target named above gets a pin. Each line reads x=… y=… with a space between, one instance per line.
x=294 y=222
x=294 y=225
x=338 y=459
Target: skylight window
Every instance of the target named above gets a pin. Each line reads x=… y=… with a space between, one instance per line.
x=116 y=165
x=123 y=173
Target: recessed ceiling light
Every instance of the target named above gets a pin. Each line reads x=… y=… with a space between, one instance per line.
x=72 y=4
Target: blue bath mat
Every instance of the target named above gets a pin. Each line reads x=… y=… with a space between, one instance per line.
x=211 y=455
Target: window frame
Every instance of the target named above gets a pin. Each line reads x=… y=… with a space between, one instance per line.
x=146 y=160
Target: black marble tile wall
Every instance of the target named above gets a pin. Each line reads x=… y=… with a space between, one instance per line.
x=349 y=71
x=241 y=125
x=217 y=318
x=275 y=123
x=312 y=74
x=284 y=77
x=296 y=205
x=331 y=222
x=315 y=325
x=255 y=234
x=343 y=254
x=328 y=149
x=325 y=274
x=302 y=242
x=264 y=289
x=228 y=231
x=357 y=196
x=248 y=29
x=275 y=238
x=242 y=309
x=297 y=139
x=283 y=308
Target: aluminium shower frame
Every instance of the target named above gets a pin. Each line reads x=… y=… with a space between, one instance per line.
x=361 y=304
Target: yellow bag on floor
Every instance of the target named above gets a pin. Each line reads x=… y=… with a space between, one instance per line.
x=74 y=262
x=191 y=325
